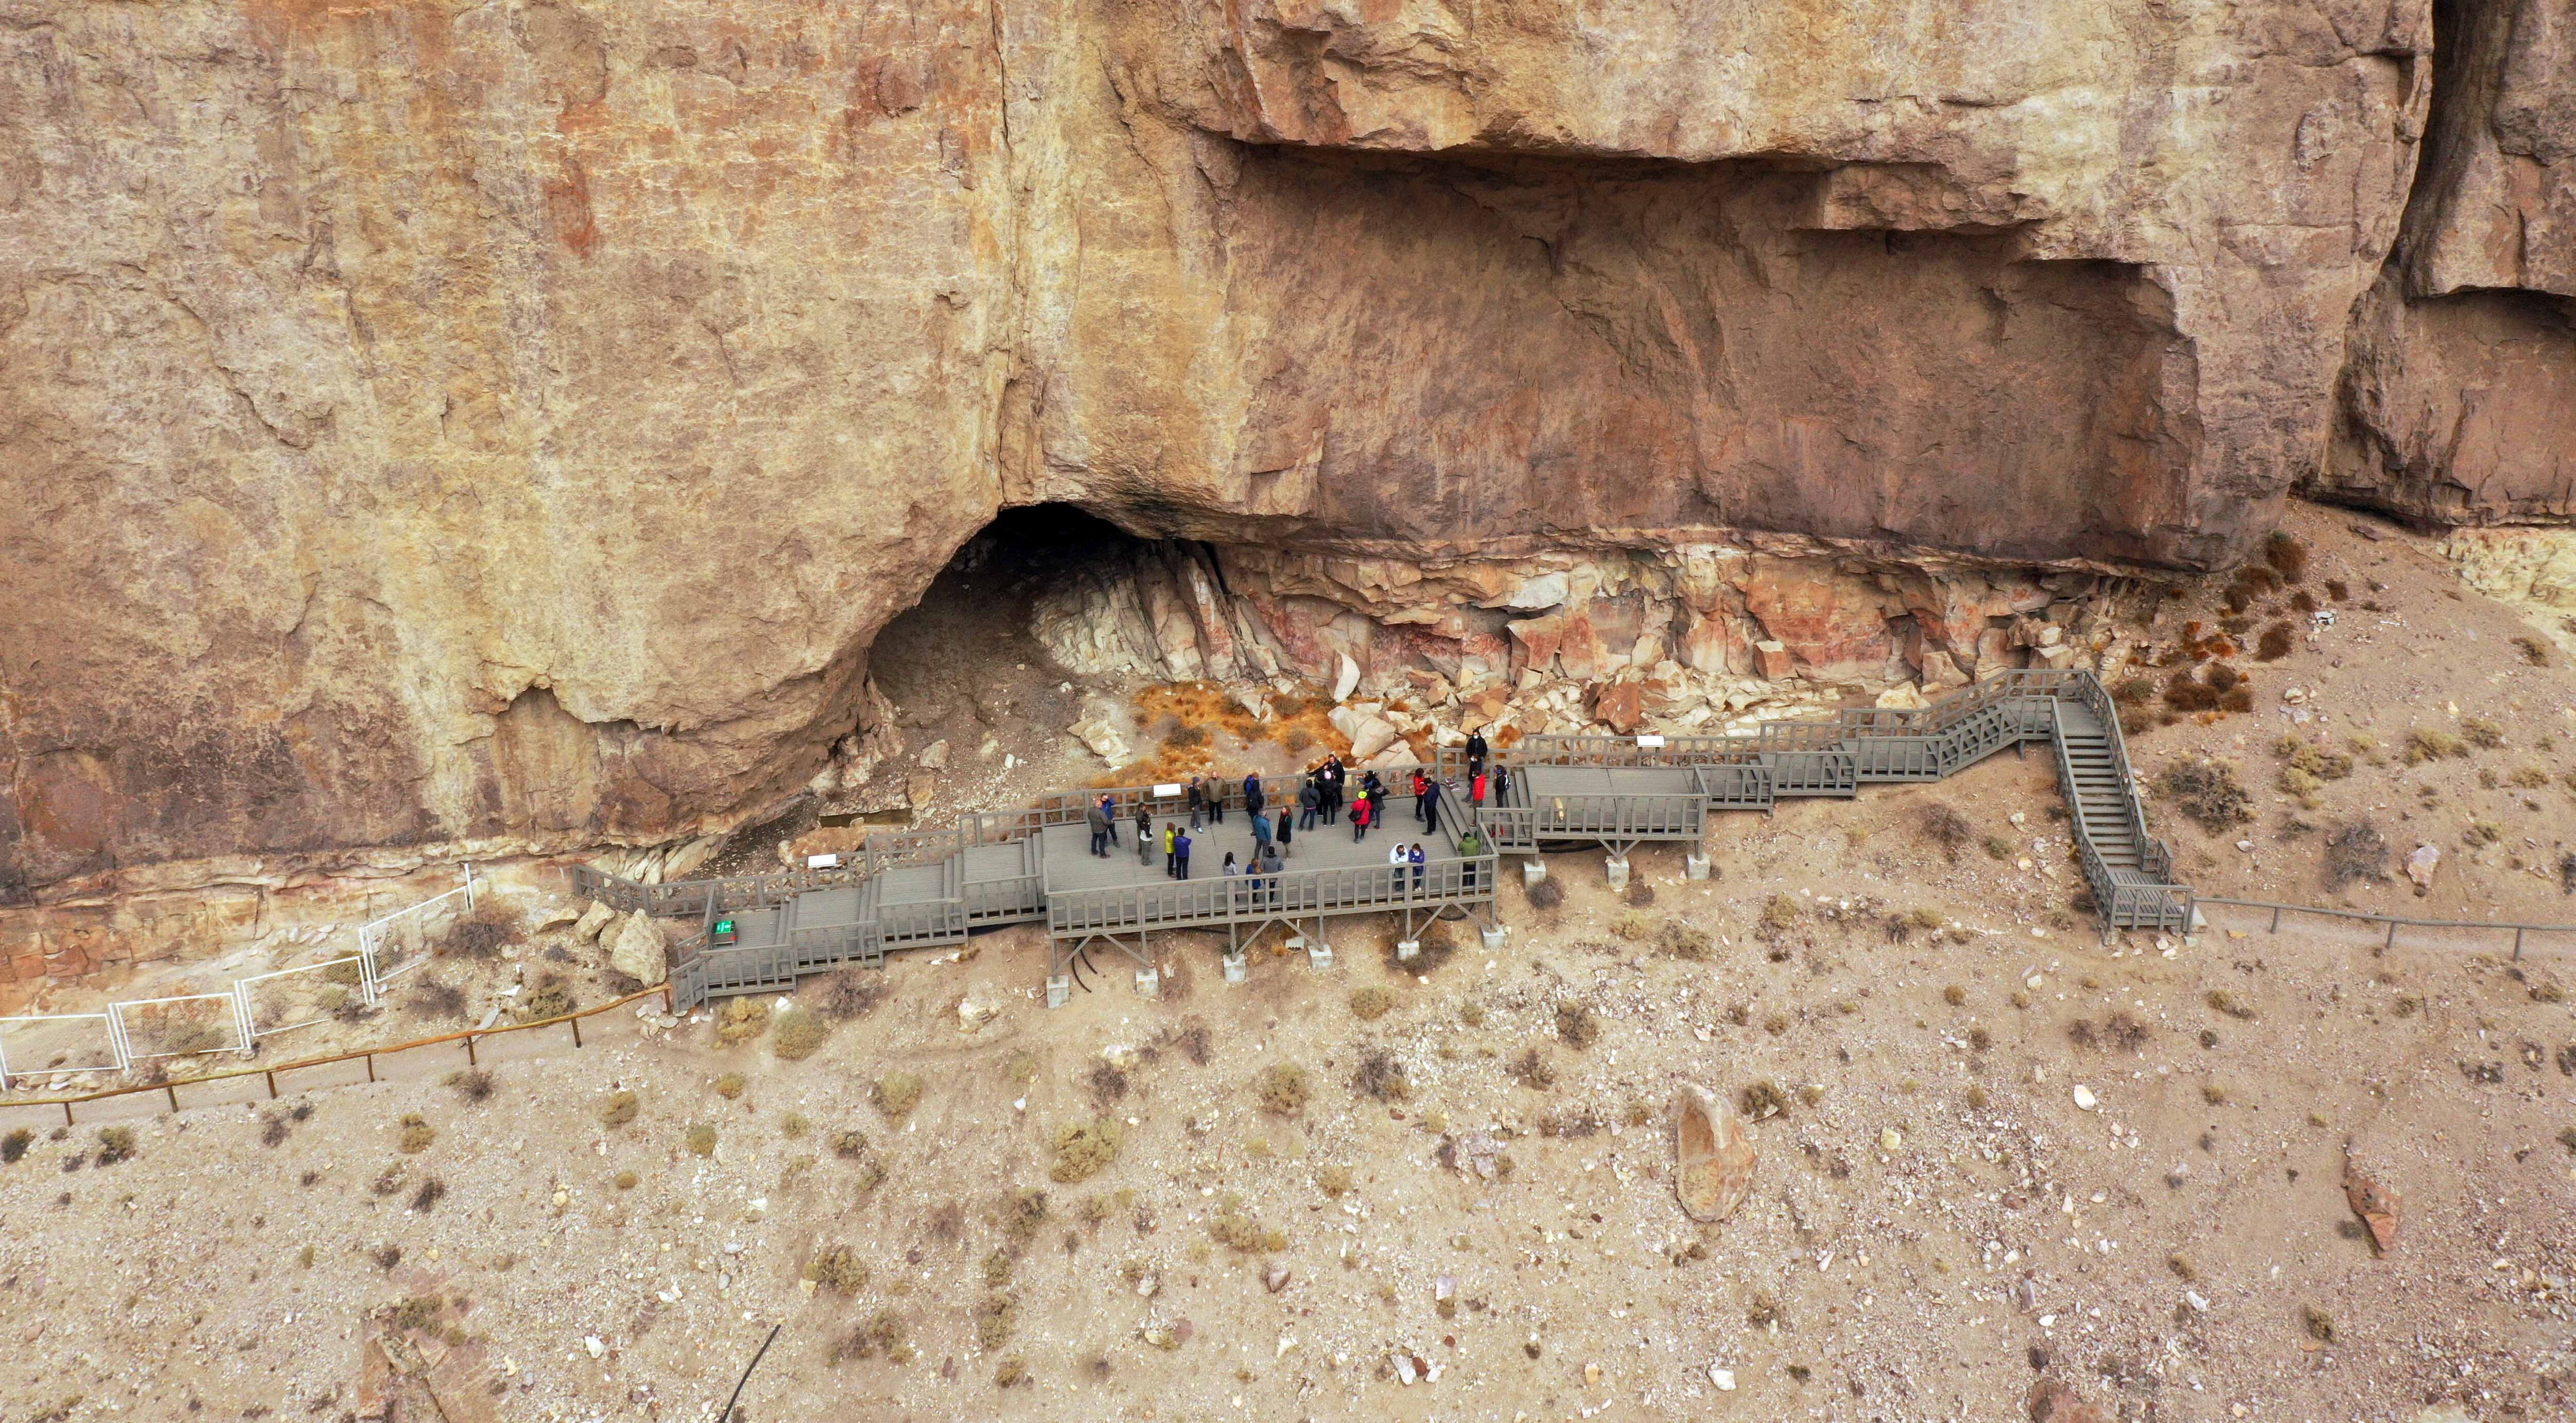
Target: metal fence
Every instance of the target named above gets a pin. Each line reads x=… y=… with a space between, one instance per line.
x=2490 y=931
x=404 y=940
x=473 y=1047
x=233 y=1018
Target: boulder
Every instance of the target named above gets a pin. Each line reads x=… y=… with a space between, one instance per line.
x=1373 y=734
x=593 y=919
x=1772 y=661
x=1620 y=706
x=1103 y=740
x=639 y=951
x=1348 y=680
x=933 y=756
x=1713 y=1158
x=2420 y=866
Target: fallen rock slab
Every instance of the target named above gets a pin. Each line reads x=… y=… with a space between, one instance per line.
x=1713 y=1158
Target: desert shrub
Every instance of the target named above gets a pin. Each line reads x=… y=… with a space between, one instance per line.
x=837 y=1268
x=626 y=1180
x=2533 y=650
x=415 y=1134
x=881 y=1334
x=472 y=1083
x=115 y=1144
x=1575 y=1025
x=2482 y=731
x=1779 y=916
x=2133 y=690
x=2304 y=601
x=2355 y=852
x=2224 y=677
x=1997 y=847
x=428 y=1194
x=13 y=1147
x=2315 y=760
x=896 y=1094
x=1546 y=894
x=2531 y=778
x=1532 y=1068
x=1946 y=828
x=1282 y=1089
x=729 y=1085
x=996 y=1316
x=482 y=934
x=1106 y=1083
x=2287 y=556
x=1241 y=1233
x=438 y=1000
x=1023 y=1212
x=849 y=1145
x=550 y=997
x=2222 y=1001
x=1381 y=1075
x=1632 y=926
x=741 y=1020
x=701 y=1139
x=2481 y=833
x=847 y=994
x=1687 y=942
x=1083 y=1150
x=1956 y=995
x=1763 y=1099
x=2300 y=786
x=2239 y=698
x=2207 y=792
x=1371 y=1003
x=2431 y=744
x=2567 y=873
x=2187 y=693
x=793 y=1126
x=799 y=1036
x=2275 y=644
x=619 y=1109
x=1335 y=1180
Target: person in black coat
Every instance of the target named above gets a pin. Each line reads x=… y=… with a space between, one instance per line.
x=1476 y=752
x=1253 y=800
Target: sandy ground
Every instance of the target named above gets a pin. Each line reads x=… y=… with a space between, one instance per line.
x=1937 y=1222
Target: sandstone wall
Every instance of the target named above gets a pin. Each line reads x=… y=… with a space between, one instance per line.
x=2458 y=404
x=510 y=423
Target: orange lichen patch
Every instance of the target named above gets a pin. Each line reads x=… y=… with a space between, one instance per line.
x=1185 y=717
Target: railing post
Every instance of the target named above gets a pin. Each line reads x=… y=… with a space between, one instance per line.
x=2517 y=943
x=2391 y=941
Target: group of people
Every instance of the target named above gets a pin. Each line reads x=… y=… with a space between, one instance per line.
x=1322 y=794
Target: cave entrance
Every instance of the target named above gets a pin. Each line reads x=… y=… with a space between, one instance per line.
x=966 y=645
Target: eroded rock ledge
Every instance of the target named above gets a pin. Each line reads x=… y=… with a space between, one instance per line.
x=513 y=423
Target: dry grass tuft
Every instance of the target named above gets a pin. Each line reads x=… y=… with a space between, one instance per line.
x=1371 y=1003
x=619 y=1109
x=741 y=1020
x=473 y=1084
x=1575 y=1025
x=2208 y=793
x=416 y=1134
x=1281 y=1088
x=1381 y=1075
x=799 y=1036
x=847 y=994
x=837 y=1268
x=896 y=1094
x=1083 y=1150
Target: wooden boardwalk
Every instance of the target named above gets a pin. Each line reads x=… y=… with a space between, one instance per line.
x=921 y=889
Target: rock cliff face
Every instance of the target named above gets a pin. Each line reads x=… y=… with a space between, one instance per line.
x=510 y=423
x=2458 y=404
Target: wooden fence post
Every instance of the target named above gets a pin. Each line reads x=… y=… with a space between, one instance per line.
x=173 y=1089
x=371 y=1067
x=272 y=1084
x=470 y=1059
x=576 y=1032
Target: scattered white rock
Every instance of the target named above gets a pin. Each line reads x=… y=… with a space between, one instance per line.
x=597 y=917
x=2084 y=1097
x=1721 y=1379
x=933 y=756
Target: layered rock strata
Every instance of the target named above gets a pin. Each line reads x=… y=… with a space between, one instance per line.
x=508 y=425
